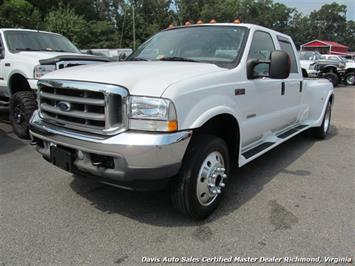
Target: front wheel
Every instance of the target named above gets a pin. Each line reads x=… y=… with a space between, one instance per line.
x=332 y=77
x=200 y=184
x=22 y=106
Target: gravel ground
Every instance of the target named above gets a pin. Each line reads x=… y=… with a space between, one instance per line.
x=297 y=200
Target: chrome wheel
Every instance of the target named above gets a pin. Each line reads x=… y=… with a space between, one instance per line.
x=211 y=176
x=350 y=79
x=327 y=119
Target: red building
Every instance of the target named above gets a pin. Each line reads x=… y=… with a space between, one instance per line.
x=325 y=47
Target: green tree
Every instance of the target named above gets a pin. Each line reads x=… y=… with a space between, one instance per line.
x=65 y=21
x=19 y=14
x=329 y=22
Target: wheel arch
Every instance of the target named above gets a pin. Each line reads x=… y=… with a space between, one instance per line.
x=18 y=82
x=225 y=126
x=329 y=68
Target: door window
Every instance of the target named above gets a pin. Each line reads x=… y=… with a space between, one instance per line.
x=287 y=47
x=261 y=47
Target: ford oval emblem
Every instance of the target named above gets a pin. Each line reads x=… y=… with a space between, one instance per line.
x=64 y=106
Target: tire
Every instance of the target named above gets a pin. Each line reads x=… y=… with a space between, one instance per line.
x=350 y=79
x=22 y=105
x=332 y=77
x=322 y=131
x=208 y=153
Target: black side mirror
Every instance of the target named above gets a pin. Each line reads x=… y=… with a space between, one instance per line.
x=280 y=65
x=122 y=57
x=251 y=64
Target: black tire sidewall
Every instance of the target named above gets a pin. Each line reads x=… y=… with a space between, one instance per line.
x=332 y=77
x=19 y=99
x=191 y=168
x=329 y=109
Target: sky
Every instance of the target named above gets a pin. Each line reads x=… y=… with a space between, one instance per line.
x=307 y=6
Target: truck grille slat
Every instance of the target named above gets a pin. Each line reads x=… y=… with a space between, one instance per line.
x=84 y=106
x=76 y=114
x=73 y=99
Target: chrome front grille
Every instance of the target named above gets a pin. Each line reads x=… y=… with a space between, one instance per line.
x=85 y=106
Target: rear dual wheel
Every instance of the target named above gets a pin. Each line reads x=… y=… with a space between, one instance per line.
x=200 y=184
x=322 y=131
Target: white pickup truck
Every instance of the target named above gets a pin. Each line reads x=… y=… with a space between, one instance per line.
x=25 y=56
x=187 y=105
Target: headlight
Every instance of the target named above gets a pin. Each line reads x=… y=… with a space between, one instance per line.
x=40 y=70
x=153 y=114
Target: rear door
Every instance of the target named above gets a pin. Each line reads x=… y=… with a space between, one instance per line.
x=293 y=86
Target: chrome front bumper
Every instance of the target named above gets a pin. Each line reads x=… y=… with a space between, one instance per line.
x=136 y=155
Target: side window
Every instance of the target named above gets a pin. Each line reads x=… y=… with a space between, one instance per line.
x=261 y=47
x=2 y=52
x=287 y=47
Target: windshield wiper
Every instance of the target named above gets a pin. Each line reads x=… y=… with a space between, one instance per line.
x=26 y=49
x=136 y=59
x=177 y=58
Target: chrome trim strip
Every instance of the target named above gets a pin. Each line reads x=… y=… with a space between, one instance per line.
x=84 y=85
x=138 y=149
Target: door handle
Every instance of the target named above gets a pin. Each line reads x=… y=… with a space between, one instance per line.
x=282 y=88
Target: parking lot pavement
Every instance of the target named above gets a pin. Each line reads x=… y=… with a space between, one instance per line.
x=297 y=200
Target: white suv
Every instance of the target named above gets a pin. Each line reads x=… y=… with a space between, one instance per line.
x=349 y=76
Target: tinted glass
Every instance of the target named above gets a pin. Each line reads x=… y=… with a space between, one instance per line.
x=215 y=44
x=310 y=56
x=287 y=47
x=261 y=48
x=38 y=41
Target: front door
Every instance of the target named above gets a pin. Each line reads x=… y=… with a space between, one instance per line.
x=261 y=104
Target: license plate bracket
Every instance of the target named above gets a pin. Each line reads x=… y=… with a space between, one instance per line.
x=62 y=158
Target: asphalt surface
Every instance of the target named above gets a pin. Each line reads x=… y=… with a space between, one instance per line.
x=297 y=200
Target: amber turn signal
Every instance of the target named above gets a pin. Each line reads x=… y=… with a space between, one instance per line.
x=172 y=126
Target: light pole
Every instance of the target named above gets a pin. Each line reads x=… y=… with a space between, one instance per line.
x=133 y=28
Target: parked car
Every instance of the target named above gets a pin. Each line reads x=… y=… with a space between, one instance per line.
x=349 y=75
x=111 y=54
x=25 y=56
x=187 y=105
x=314 y=65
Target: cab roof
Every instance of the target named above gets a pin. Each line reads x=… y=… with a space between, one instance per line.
x=246 y=25
x=30 y=30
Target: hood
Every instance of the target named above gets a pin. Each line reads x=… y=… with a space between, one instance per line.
x=149 y=78
x=350 y=65
x=51 y=57
x=306 y=63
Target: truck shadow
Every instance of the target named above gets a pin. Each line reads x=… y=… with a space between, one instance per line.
x=8 y=141
x=155 y=207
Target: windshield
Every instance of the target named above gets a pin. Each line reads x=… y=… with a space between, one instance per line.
x=38 y=41
x=309 y=56
x=214 y=44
